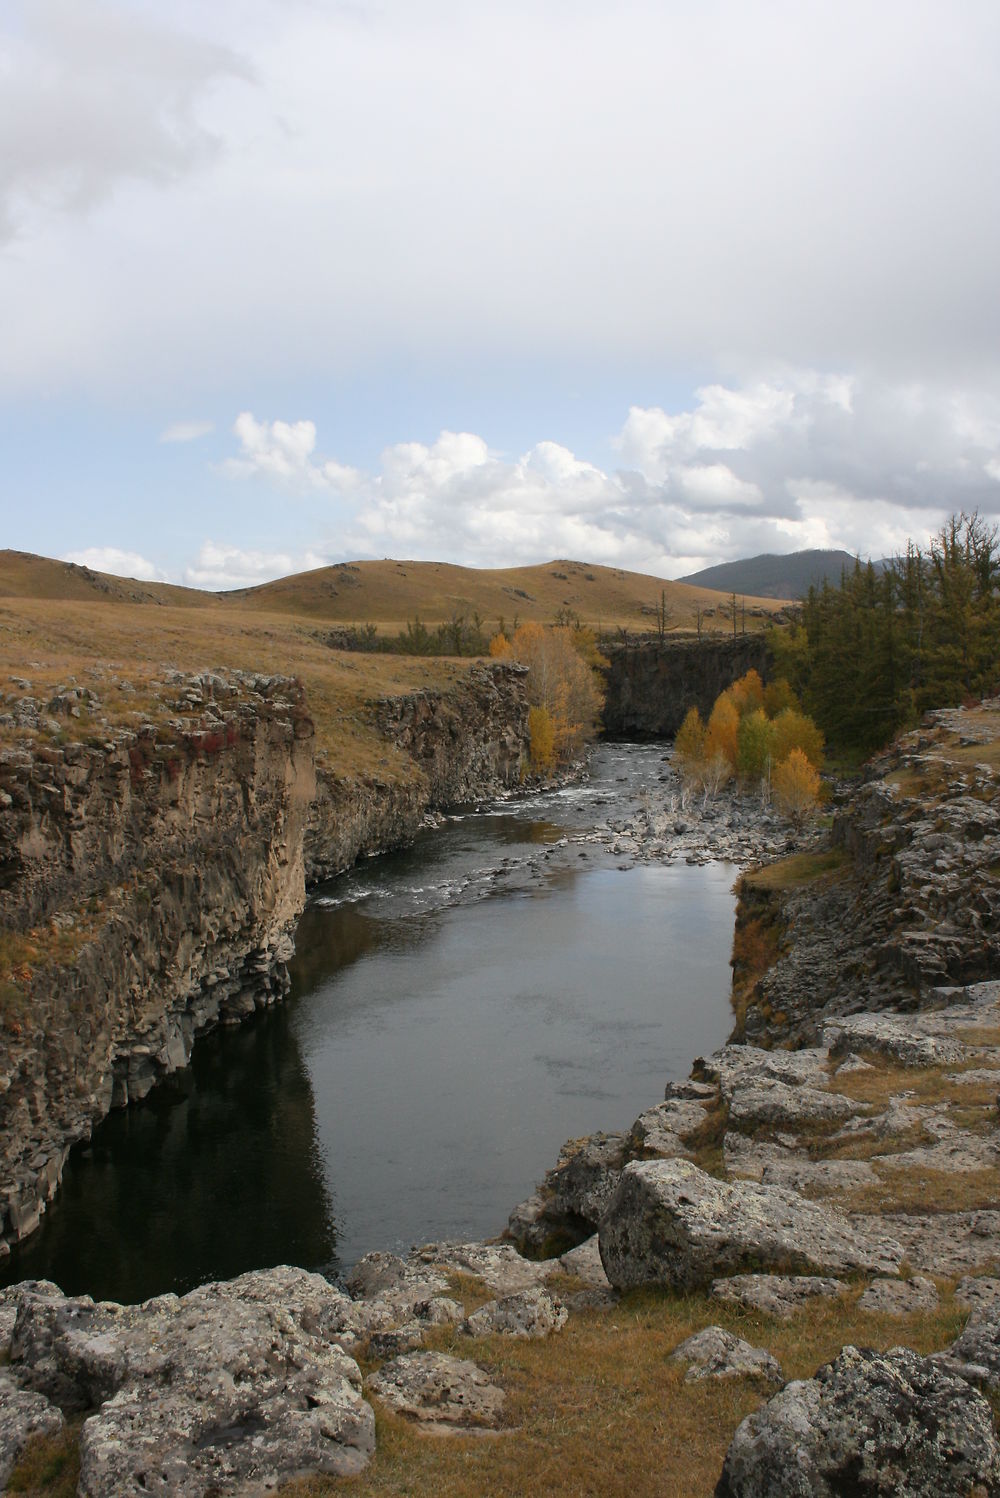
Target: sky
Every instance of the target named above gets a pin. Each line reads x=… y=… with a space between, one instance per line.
x=655 y=284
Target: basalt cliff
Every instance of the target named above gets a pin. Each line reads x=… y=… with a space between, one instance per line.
x=151 y=878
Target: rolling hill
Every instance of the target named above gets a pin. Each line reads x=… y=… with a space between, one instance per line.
x=769 y=576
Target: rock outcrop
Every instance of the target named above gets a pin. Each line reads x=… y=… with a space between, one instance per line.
x=887 y=1424
x=650 y=686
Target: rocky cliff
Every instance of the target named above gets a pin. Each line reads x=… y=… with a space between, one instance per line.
x=150 y=882
x=651 y=686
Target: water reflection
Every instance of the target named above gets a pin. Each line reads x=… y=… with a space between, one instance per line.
x=217 y=1172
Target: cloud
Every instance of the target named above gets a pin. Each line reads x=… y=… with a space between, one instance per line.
x=187 y=431
x=127 y=564
x=220 y=567
x=796 y=460
x=91 y=100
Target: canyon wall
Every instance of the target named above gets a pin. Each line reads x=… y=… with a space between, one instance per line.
x=651 y=686
x=150 y=884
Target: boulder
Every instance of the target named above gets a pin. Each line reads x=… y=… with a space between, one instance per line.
x=716 y=1353
x=978 y=1291
x=498 y=1265
x=527 y=1314
x=585 y=1262
x=975 y=1355
x=775 y=1294
x=868 y=1423
x=23 y=1416
x=438 y=1390
x=231 y=1388
x=670 y=1223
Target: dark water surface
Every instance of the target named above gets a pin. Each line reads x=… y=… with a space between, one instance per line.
x=458 y=1010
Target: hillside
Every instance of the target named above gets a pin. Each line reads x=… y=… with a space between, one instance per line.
x=389 y=593
x=770 y=576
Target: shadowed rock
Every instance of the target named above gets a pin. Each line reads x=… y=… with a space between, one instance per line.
x=23 y=1416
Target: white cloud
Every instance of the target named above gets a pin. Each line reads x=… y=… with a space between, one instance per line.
x=790 y=462
x=187 y=431
x=127 y=564
x=220 y=567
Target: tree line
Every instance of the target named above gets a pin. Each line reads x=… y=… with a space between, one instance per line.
x=917 y=632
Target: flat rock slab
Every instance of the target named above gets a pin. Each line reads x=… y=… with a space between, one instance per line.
x=819 y=1176
x=978 y=1291
x=907 y=1040
x=671 y=1224
x=716 y=1353
x=776 y=1294
x=886 y=1425
x=776 y=1104
x=945 y=1243
x=664 y=1129
x=23 y=1416
x=527 y=1314
x=900 y=1297
x=498 y=1265
x=233 y=1388
x=438 y=1390
x=738 y=1065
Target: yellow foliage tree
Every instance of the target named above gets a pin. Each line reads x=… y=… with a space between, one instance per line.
x=561 y=682
x=796 y=786
x=747 y=694
x=541 y=738
x=500 y=647
x=722 y=733
x=793 y=730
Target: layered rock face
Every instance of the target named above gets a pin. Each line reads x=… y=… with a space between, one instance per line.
x=465 y=745
x=161 y=874
x=154 y=881
x=650 y=687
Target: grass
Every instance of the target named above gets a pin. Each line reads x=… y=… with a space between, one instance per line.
x=598 y=1409
x=923 y=1189
x=49 y=1465
x=797 y=871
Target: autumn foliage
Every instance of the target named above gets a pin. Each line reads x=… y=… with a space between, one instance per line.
x=759 y=735
x=562 y=688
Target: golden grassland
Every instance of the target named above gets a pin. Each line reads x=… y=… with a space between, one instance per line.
x=390 y=593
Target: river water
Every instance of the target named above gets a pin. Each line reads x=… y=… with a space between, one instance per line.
x=458 y=1010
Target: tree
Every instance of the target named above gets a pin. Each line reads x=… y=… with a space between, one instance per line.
x=794 y=731
x=560 y=682
x=755 y=747
x=796 y=786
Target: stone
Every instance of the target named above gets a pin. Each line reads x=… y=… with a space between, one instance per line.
x=740 y=1065
x=716 y=1353
x=672 y=1224
x=886 y=1425
x=906 y=1040
x=23 y=1416
x=944 y=1243
x=232 y=1384
x=776 y=1104
x=900 y=1297
x=585 y=1262
x=820 y=1176
x=435 y=1389
x=975 y=1354
x=662 y=1130
x=499 y=1265
x=525 y=1314
x=776 y=1294
x=978 y=1290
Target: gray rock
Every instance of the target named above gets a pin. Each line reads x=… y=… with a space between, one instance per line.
x=906 y=1040
x=435 y=1389
x=978 y=1291
x=233 y=1387
x=869 y=1423
x=23 y=1416
x=585 y=1262
x=526 y=1314
x=498 y=1265
x=765 y=1100
x=664 y=1129
x=776 y=1294
x=900 y=1297
x=672 y=1224
x=716 y=1353
x=740 y=1065
x=822 y=1176
x=975 y=1355
x=945 y=1243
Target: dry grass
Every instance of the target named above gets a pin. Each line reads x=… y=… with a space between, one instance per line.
x=389 y=593
x=921 y=1189
x=49 y=1465
x=598 y=1409
x=797 y=870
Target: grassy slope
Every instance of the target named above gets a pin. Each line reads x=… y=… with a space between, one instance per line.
x=391 y=592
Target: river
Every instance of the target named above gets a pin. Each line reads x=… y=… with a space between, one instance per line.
x=458 y=1010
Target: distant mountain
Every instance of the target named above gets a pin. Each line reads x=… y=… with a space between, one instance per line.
x=770 y=576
